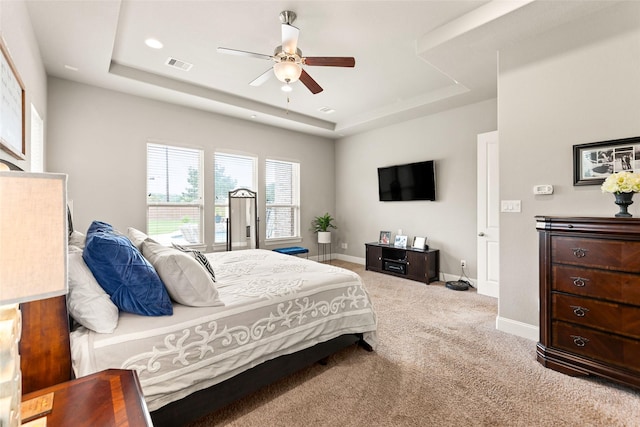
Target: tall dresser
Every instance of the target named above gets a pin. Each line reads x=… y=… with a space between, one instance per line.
x=590 y=297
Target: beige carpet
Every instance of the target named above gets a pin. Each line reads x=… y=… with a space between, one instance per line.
x=440 y=362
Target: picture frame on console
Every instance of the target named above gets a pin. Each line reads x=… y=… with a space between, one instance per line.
x=400 y=241
x=385 y=237
x=595 y=161
x=419 y=243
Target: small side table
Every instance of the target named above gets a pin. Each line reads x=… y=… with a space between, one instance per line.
x=108 y=398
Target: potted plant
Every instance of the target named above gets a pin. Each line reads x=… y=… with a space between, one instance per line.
x=321 y=225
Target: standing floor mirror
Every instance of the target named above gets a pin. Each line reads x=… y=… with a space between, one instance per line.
x=242 y=225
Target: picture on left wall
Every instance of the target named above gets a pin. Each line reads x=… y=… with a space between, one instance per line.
x=12 y=121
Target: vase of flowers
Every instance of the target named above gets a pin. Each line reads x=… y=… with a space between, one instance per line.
x=623 y=185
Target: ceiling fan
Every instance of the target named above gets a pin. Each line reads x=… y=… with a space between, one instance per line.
x=289 y=60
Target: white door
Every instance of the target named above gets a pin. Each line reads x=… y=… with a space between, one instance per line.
x=488 y=215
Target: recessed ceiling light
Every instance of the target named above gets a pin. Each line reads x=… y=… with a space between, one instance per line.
x=253 y=116
x=69 y=67
x=153 y=43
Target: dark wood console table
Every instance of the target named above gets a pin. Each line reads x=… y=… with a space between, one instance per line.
x=422 y=265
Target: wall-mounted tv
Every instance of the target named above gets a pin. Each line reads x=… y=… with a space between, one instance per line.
x=412 y=181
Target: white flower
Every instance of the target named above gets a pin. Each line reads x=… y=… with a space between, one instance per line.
x=622 y=182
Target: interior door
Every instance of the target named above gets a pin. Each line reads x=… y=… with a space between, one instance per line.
x=488 y=240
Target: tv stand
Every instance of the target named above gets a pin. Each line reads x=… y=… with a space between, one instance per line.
x=422 y=265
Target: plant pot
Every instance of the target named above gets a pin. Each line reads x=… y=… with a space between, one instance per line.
x=623 y=200
x=324 y=237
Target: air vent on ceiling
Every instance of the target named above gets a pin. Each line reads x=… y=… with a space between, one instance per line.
x=176 y=63
x=326 y=110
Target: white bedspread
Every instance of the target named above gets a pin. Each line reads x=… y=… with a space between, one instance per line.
x=274 y=304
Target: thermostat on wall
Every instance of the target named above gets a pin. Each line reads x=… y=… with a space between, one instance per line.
x=543 y=189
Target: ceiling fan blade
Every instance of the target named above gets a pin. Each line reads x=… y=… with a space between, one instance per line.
x=311 y=84
x=290 y=38
x=262 y=78
x=243 y=53
x=330 y=61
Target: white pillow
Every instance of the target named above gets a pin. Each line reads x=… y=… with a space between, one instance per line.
x=76 y=238
x=185 y=279
x=137 y=237
x=87 y=302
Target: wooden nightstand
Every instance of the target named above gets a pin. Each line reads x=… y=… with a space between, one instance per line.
x=108 y=398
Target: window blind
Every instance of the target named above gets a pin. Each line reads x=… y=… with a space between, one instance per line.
x=282 y=199
x=174 y=194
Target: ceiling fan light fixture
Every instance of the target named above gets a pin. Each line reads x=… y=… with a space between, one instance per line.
x=286 y=87
x=287 y=71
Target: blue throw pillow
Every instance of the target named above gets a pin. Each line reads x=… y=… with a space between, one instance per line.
x=122 y=271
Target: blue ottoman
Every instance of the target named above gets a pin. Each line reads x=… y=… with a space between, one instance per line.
x=293 y=250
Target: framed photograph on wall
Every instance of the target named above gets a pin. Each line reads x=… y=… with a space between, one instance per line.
x=400 y=242
x=12 y=137
x=595 y=161
x=385 y=237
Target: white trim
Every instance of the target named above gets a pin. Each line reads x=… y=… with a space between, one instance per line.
x=349 y=258
x=520 y=329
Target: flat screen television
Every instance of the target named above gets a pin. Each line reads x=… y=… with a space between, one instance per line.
x=412 y=181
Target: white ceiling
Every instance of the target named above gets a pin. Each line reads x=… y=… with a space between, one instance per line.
x=412 y=57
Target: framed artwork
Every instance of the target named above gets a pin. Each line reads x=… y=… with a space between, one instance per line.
x=385 y=237
x=595 y=161
x=12 y=136
x=400 y=242
x=419 y=242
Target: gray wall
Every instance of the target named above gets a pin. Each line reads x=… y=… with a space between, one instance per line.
x=17 y=32
x=98 y=137
x=449 y=138
x=574 y=85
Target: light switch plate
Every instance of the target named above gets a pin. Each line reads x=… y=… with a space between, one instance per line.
x=510 y=206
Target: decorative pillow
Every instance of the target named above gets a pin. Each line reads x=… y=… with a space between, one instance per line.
x=76 y=238
x=87 y=302
x=200 y=257
x=186 y=280
x=122 y=271
x=137 y=237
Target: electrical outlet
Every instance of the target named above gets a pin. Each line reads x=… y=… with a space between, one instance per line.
x=463 y=263
x=344 y=246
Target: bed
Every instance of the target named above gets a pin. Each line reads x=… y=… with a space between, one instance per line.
x=275 y=314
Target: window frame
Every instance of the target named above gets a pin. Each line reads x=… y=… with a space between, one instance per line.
x=254 y=187
x=200 y=204
x=295 y=205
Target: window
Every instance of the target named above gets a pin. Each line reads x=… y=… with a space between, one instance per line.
x=174 y=194
x=231 y=172
x=282 y=199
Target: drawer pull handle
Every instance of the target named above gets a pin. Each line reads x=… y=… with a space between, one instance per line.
x=579 y=252
x=579 y=311
x=579 y=281
x=579 y=341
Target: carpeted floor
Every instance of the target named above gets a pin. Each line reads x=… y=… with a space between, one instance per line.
x=440 y=362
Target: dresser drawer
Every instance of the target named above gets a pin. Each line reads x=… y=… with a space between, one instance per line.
x=596 y=345
x=606 y=316
x=606 y=254
x=620 y=287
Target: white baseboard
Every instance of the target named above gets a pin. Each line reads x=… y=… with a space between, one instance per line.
x=490 y=290
x=520 y=329
x=349 y=258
